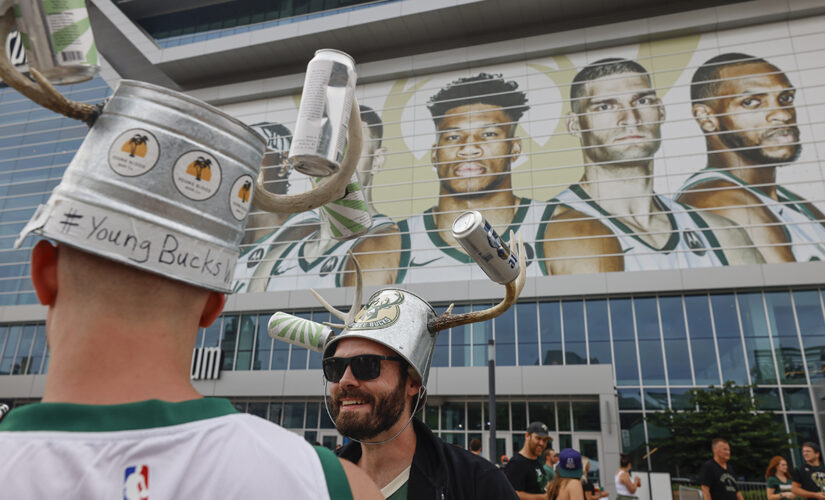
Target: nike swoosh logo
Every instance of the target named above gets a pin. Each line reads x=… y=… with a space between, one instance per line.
x=413 y=263
x=628 y=249
x=276 y=271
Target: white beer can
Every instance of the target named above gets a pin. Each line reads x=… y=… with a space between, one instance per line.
x=320 y=137
x=485 y=246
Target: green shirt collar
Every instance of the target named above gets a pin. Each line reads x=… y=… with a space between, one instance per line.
x=70 y=417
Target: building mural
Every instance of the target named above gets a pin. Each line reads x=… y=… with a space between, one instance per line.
x=689 y=152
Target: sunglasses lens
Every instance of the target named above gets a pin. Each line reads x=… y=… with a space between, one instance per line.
x=334 y=368
x=366 y=367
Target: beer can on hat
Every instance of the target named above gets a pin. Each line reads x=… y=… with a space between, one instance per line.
x=58 y=39
x=298 y=331
x=485 y=246
x=349 y=216
x=320 y=137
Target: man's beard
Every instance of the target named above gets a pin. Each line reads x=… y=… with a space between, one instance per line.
x=755 y=152
x=386 y=411
x=494 y=184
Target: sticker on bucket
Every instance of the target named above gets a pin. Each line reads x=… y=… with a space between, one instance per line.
x=197 y=175
x=134 y=153
x=241 y=196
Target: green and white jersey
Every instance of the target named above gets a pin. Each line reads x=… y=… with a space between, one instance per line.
x=295 y=269
x=199 y=449
x=691 y=243
x=426 y=257
x=803 y=229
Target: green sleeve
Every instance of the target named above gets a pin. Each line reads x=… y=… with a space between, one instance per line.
x=336 y=478
x=773 y=482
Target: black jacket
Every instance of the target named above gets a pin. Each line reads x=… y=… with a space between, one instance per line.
x=443 y=471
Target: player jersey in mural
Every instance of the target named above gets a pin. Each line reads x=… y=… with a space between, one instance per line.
x=691 y=244
x=286 y=262
x=147 y=450
x=426 y=257
x=258 y=262
x=804 y=231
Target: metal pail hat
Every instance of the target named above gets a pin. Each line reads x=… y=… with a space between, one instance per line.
x=397 y=319
x=162 y=182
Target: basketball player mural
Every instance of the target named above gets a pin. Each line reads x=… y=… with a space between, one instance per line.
x=475 y=145
x=745 y=107
x=612 y=220
x=302 y=246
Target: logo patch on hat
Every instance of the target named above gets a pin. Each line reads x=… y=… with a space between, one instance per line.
x=571 y=464
x=381 y=312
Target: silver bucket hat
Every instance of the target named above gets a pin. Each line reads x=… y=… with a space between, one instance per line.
x=399 y=320
x=148 y=188
x=164 y=182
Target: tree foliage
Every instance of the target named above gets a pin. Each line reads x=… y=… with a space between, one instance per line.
x=726 y=412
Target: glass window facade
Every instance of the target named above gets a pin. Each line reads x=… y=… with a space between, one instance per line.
x=36 y=146
x=240 y=16
x=662 y=346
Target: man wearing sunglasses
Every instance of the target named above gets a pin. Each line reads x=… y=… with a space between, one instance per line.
x=377 y=371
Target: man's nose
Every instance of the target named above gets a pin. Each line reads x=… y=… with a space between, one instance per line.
x=780 y=113
x=469 y=148
x=629 y=116
x=348 y=379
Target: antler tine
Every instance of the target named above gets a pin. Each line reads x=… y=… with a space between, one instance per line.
x=43 y=93
x=330 y=189
x=513 y=289
x=337 y=326
x=359 y=289
x=335 y=312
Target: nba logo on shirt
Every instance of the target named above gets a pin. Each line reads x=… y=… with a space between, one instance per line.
x=136 y=483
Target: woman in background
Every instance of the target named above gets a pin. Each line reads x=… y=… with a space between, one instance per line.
x=779 y=482
x=625 y=486
x=567 y=484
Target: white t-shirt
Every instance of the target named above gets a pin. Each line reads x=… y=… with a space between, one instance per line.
x=199 y=449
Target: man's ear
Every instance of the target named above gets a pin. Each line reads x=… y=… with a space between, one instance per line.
x=212 y=309
x=44 y=272
x=515 y=149
x=379 y=159
x=573 y=125
x=433 y=155
x=705 y=117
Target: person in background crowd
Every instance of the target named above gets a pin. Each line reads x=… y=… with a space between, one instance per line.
x=717 y=477
x=778 y=479
x=550 y=461
x=503 y=462
x=808 y=480
x=567 y=484
x=525 y=471
x=626 y=486
x=588 y=486
x=475 y=446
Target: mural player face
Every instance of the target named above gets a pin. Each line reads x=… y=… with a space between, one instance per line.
x=620 y=119
x=363 y=409
x=758 y=114
x=474 y=150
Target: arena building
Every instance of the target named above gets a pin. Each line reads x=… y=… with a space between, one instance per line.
x=666 y=250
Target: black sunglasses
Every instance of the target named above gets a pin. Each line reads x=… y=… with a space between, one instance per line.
x=363 y=366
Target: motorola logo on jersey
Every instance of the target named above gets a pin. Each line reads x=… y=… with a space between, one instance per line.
x=255 y=258
x=694 y=243
x=329 y=266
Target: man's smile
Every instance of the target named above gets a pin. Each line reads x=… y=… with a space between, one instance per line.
x=469 y=169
